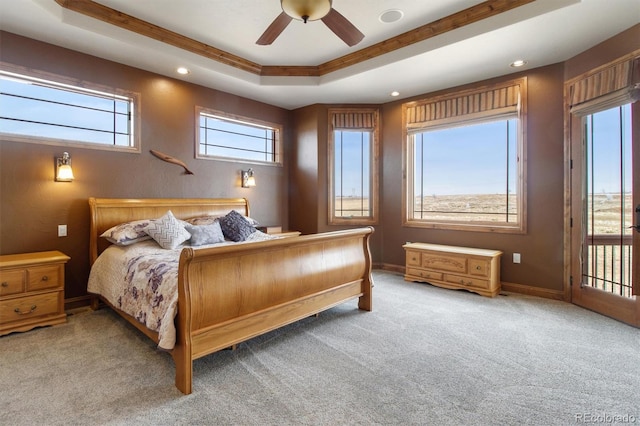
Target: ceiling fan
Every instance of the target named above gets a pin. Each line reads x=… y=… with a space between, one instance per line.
x=311 y=10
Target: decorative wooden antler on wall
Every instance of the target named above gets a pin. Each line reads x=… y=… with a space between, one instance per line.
x=170 y=159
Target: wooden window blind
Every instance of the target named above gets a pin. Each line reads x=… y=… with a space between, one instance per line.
x=469 y=106
x=606 y=87
x=353 y=120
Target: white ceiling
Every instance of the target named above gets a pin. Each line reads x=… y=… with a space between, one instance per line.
x=542 y=33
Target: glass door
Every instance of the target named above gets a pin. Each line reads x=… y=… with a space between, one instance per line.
x=606 y=193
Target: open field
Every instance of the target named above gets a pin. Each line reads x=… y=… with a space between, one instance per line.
x=604 y=209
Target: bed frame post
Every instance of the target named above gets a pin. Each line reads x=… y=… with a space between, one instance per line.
x=184 y=368
x=365 y=302
x=182 y=352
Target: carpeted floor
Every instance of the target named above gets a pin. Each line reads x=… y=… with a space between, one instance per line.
x=424 y=356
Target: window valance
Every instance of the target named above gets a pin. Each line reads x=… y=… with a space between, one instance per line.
x=465 y=106
x=352 y=120
x=608 y=87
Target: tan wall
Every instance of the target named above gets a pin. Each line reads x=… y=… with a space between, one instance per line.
x=305 y=187
x=609 y=50
x=33 y=204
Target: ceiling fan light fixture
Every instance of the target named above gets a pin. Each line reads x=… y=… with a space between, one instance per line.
x=306 y=10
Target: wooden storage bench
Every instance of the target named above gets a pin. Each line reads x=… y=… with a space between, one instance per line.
x=472 y=269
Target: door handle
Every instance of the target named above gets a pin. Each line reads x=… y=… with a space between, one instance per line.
x=637 y=225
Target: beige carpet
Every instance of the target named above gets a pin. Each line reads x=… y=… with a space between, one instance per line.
x=424 y=356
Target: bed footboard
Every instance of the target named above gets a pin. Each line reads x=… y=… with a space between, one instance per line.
x=229 y=294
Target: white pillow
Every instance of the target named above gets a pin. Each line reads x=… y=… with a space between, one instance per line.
x=127 y=233
x=205 y=234
x=168 y=231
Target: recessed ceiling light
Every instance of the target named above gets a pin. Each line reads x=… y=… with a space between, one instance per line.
x=390 y=16
x=395 y=93
x=182 y=70
x=518 y=63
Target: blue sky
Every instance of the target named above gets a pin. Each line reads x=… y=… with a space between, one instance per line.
x=352 y=167
x=467 y=160
x=73 y=109
x=608 y=151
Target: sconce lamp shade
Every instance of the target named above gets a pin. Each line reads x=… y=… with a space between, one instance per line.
x=248 y=180
x=64 y=172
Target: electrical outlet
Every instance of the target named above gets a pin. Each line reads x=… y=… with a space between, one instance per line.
x=62 y=230
x=516 y=257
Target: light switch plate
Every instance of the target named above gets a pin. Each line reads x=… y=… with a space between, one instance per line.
x=62 y=230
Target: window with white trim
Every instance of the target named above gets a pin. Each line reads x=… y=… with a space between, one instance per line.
x=353 y=166
x=230 y=137
x=464 y=160
x=34 y=109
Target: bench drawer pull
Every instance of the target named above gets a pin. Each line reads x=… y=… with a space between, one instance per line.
x=17 y=310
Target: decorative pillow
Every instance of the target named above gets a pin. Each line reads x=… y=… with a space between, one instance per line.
x=168 y=231
x=203 y=220
x=252 y=221
x=127 y=233
x=209 y=219
x=236 y=227
x=205 y=234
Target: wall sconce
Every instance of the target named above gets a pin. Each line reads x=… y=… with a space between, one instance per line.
x=247 y=178
x=64 y=172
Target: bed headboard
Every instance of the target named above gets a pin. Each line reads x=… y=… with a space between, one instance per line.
x=108 y=212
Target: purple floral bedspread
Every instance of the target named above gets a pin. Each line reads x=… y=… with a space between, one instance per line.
x=142 y=280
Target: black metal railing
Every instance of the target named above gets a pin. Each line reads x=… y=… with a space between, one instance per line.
x=608 y=264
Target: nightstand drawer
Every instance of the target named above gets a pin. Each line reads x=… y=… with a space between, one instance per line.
x=29 y=306
x=12 y=282
x=42 y=277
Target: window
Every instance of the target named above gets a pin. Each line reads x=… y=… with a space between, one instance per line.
x=353 y=166
x=40 y=110
x=464 y=160
x=608 y=212
x=227 y=137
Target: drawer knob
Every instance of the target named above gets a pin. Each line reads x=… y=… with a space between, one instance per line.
x=19 y=312
x=478 y=267
x=4 y=284
x=45 y=278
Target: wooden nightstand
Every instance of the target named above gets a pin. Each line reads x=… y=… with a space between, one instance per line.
x=277 y=230
x=31 y=290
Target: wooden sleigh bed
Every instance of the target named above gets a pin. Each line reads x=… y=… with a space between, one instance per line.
x=231 y=293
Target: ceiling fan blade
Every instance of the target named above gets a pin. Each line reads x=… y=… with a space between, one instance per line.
x=273 y=31
x=342 y=27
